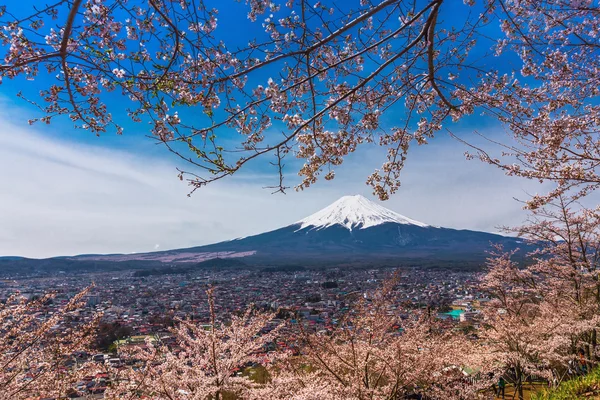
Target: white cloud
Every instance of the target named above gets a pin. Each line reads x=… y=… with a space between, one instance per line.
x=62 y=197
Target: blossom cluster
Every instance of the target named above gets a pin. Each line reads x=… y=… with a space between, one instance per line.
x=340 y=70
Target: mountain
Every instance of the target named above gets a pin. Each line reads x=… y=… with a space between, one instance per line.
x=351 y=231
x=355 y=212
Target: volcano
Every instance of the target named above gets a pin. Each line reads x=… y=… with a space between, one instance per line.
x=352 y=230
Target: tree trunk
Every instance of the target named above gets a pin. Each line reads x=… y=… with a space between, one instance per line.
x=521 y=397
x=594 y=343
x=519 y=383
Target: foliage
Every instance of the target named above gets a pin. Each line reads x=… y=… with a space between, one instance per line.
x=329 y=285
x=107 y=333
x=581 y=387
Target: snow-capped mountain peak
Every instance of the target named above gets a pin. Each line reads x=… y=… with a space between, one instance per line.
x=355 y=212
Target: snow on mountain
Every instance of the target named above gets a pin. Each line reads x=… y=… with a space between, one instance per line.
x=355 y=212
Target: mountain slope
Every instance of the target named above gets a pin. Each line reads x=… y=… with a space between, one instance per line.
x=386 y=241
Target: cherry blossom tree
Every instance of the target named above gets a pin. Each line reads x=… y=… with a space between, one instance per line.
x=544 y=317
x=551 y=114
x=204 y=361
x=37 y=347
x=376 y=352
x=515 y=330
x=314 y=79
x=568 y=241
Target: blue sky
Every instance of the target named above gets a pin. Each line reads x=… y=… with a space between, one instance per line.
x=63 y=196
x=66 y=191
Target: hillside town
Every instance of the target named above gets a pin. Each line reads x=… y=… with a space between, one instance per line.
x=321 y=294
x=135 y=309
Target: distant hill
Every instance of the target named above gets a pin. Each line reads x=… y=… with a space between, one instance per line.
x=215 y=263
